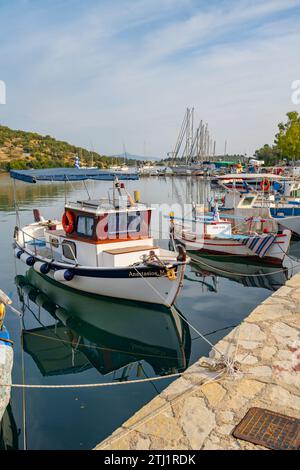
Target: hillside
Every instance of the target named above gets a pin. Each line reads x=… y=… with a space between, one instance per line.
x=24 y=150
x=130 y=156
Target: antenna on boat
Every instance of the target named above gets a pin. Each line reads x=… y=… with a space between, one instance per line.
x=117 y=185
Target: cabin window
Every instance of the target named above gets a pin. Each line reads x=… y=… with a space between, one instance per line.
x=247 y=201
x=69 y=250
x=85 y=226
x=123 y=224
x=134 y=222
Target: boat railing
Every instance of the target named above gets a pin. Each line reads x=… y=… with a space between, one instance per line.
x=45 y=242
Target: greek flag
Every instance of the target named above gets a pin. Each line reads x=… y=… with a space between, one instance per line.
x=259 y=245
x=77 y=164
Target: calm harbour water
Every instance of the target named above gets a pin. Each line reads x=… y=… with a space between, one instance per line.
x=70 y=338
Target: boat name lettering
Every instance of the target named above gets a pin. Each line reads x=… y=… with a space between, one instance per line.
x=159 y=273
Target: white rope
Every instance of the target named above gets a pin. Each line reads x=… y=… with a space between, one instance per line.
x=226 y=361
x=105 y=384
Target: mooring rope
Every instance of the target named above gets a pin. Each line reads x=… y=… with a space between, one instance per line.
x=226 y=361
x=92 y=385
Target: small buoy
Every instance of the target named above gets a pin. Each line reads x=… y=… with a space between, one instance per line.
x=27 y=259
x=30 y=261
x=41 y=267
x=2 y=313
x=137 y=196
x=18 y=253
x=63 y=275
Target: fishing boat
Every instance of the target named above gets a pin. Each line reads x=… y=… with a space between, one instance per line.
x=80 y=338
x=258 y=181
x=215 y=236
x=277 y=209
x=101 y=246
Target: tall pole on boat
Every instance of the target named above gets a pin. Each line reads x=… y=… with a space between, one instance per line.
x=16 y=203
x=65 y=190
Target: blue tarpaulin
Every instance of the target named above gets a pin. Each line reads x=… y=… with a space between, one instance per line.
x=71 y=174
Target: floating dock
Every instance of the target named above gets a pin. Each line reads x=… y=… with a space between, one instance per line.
x=202 y=408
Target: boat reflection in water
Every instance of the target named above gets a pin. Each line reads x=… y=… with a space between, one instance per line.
x=102 y=333
x=208 y=270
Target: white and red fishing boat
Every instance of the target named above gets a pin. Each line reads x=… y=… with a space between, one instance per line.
x=214 y=236
x=241 y=181
x=102 y=247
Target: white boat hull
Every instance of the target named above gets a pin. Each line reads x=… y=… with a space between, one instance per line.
x=142 y=283
x=236 y=248
x=156 y=290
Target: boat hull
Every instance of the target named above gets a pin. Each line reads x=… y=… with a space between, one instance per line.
x=143 y=283
x=236 y=249
x=151 y=289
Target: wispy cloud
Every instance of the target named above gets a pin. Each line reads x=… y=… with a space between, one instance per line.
x=124 y=71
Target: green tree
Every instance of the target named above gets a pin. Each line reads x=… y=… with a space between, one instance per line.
x=287 y=140
x=270 y=155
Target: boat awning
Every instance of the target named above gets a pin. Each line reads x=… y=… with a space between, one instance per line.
x=71 y=174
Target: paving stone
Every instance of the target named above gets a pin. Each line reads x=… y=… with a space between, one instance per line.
x=209 y=445
x=152 y=407
x=278 y=395
x=226 y=416
x=246 y=359
x=225 y=429
x=163 y=426
x=213 y=392
x=143 y=443
x=224 y=348
x=295 y=295
x=249 y=388
x=178 y=387
x=268 y=312
x=251 y=332
x=294 y=281
x=197 y=421
x=284 y=333
x=249 y=345
x=261 y=371
x=267 y=353
x=290 y=378
x=284 y=291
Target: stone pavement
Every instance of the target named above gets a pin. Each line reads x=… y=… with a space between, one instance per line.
x=201 y=408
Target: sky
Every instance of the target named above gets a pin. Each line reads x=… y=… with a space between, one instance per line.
x=107 y=74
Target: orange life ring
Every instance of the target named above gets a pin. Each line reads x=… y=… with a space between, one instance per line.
x=68 y=222
x=265 y=185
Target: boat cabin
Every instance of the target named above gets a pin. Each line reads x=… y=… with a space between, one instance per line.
x=97 y=233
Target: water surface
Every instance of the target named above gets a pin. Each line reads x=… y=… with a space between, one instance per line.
x=72 y=338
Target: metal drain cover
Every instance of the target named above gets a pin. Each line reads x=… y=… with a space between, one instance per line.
x=269 y=429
